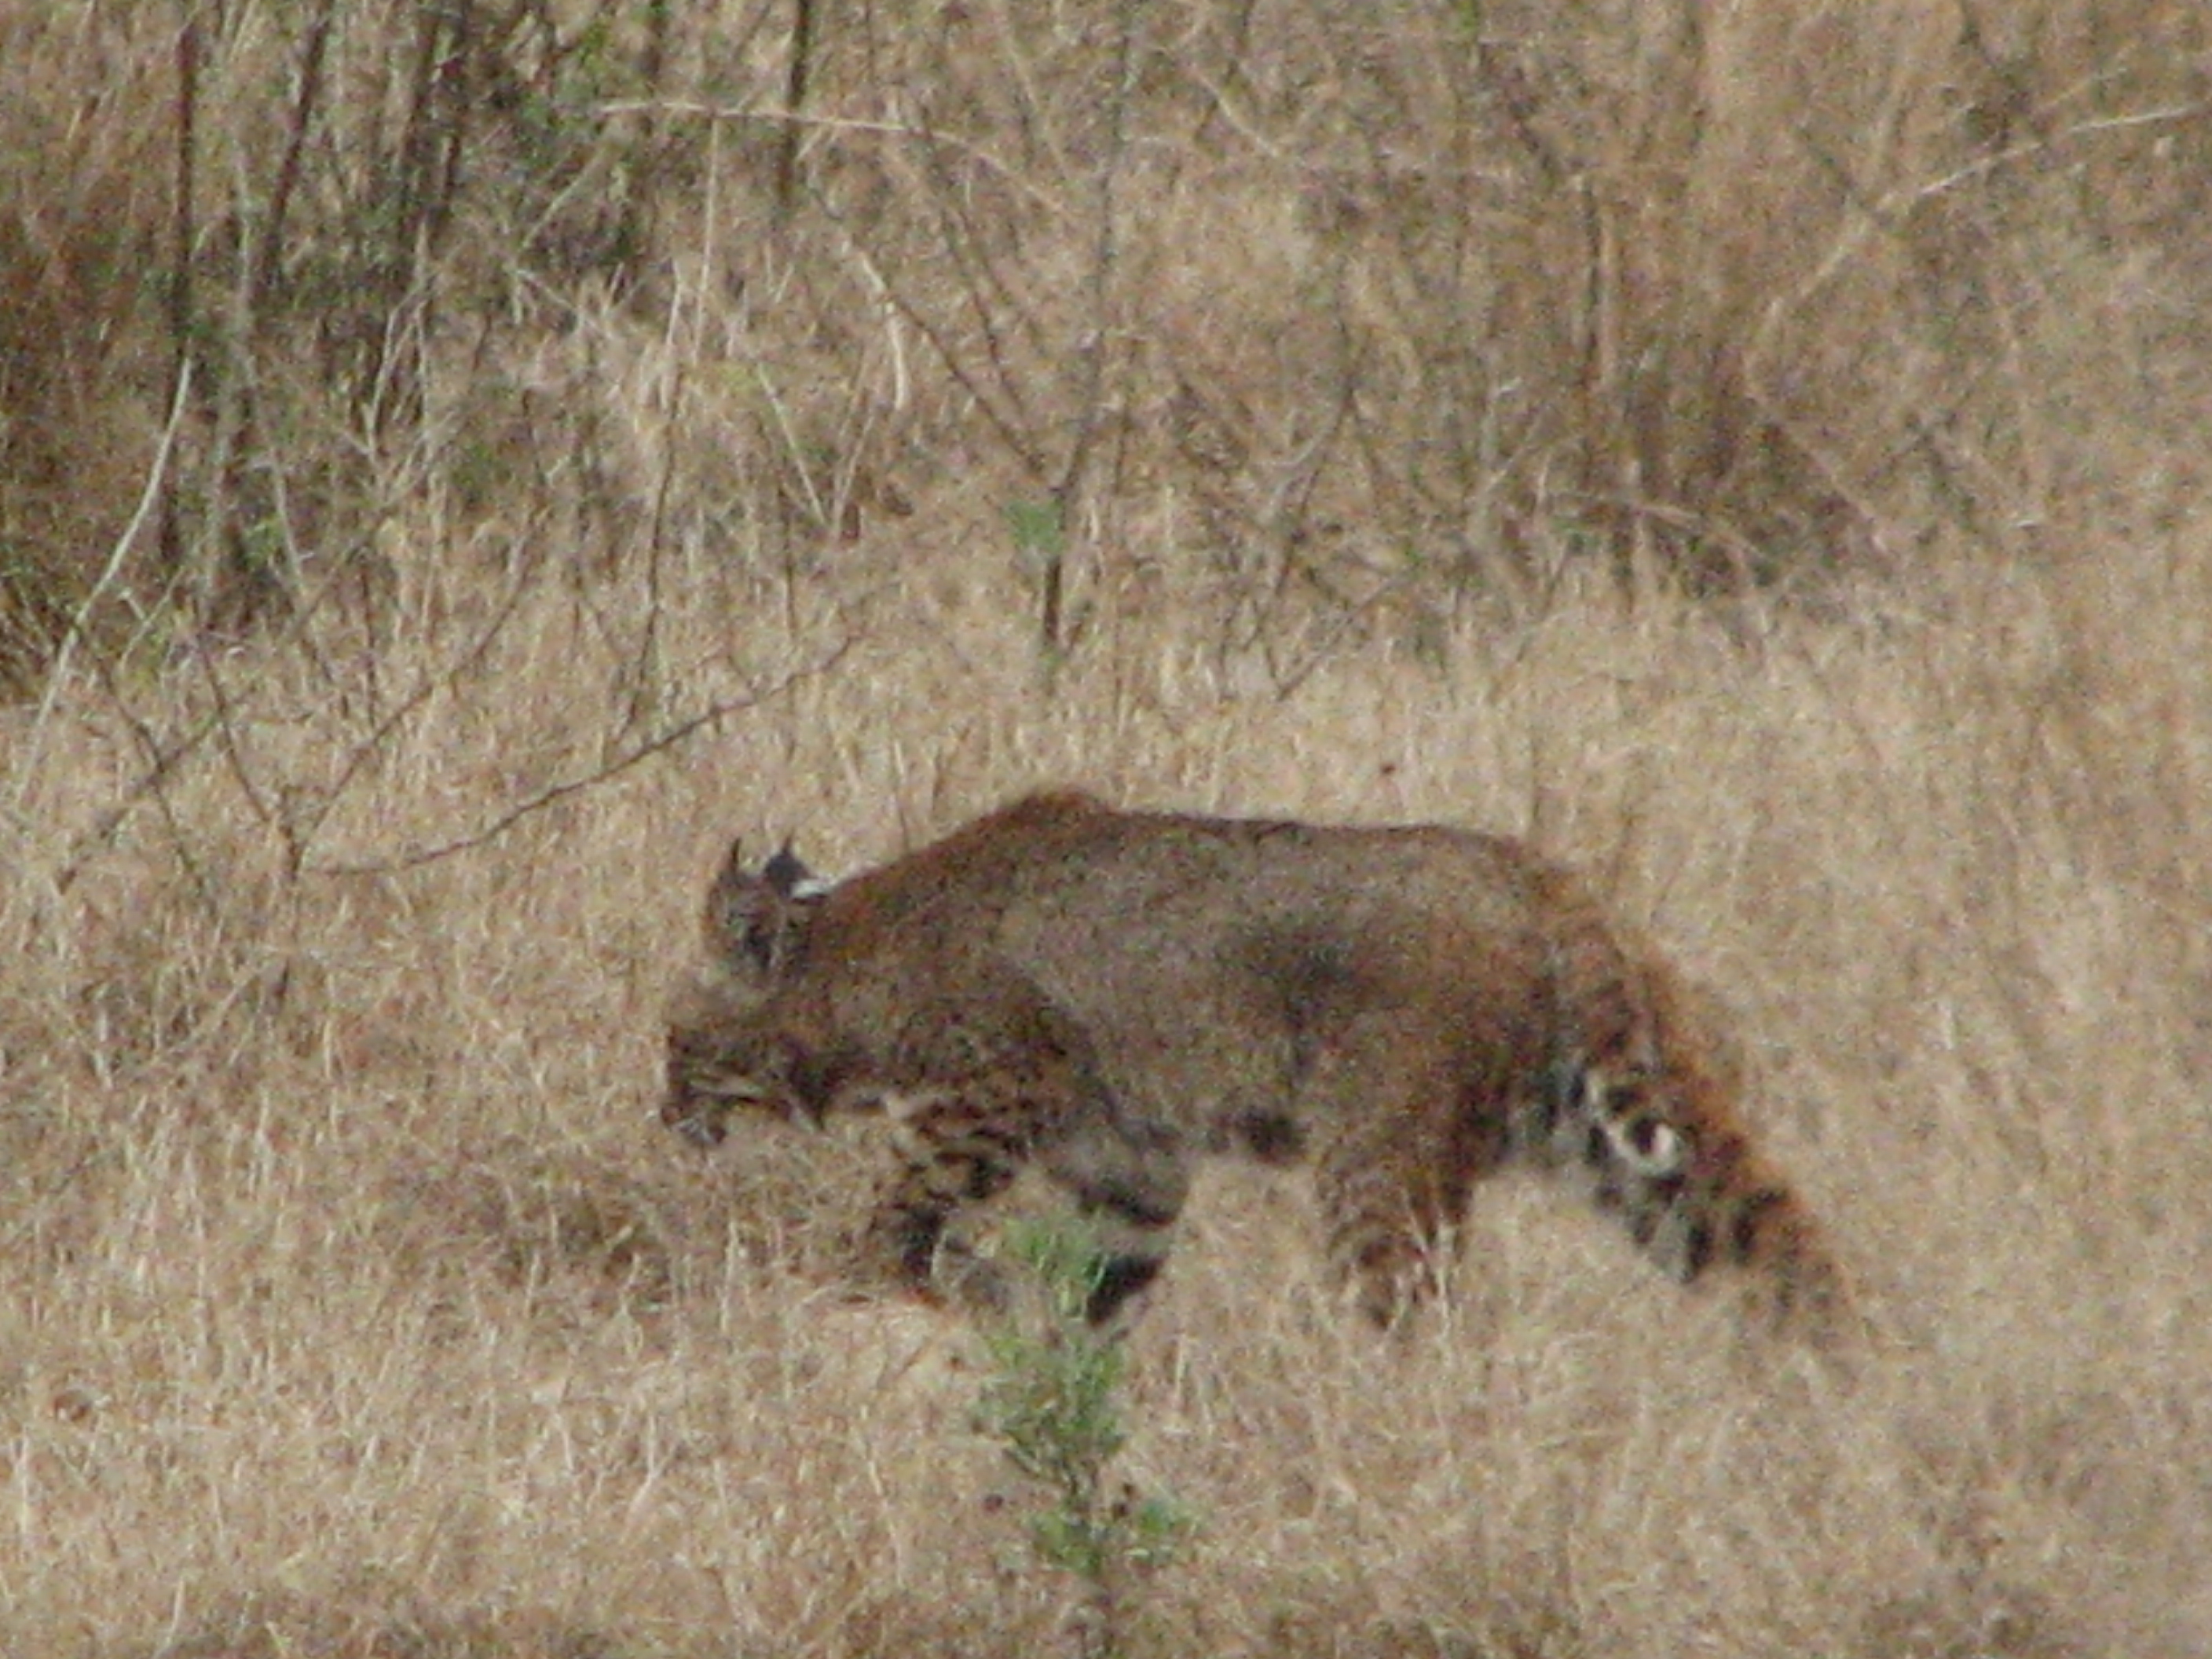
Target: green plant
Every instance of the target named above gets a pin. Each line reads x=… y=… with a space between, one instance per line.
x=1040 y=538
x=1053 y=1403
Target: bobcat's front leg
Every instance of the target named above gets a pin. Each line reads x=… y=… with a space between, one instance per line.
x=957 y=1146
x=974 y=1101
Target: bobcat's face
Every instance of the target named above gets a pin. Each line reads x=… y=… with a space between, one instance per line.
x=731 y=1047
x=724 y=1065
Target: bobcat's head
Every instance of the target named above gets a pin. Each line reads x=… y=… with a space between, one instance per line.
x=730 y=1047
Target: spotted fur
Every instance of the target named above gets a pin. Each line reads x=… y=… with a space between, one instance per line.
x=1108 y=994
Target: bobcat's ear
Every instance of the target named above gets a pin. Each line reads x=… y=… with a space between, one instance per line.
x=754 y=924
x=785 y=872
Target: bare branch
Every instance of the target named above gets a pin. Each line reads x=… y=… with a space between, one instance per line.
x=157 y=473
x=688 y=728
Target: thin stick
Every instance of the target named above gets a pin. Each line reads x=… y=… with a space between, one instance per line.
x=156 y=474
x=557 y=791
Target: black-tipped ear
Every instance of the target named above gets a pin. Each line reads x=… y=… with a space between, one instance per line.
x=785 y=871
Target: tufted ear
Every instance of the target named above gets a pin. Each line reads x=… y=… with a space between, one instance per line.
x=784 y=872
x=753 y=925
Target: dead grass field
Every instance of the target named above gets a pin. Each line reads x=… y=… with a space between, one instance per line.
x=1754 y=451
x=356 y=1307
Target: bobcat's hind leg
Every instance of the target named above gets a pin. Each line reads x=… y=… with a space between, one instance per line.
x=1396 y=1162
x=1385 y=1219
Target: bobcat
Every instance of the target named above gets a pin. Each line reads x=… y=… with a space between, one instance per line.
x=1110 y=992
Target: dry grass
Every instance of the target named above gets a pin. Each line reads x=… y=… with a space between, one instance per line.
x=358 y=1308
x=1748 y=449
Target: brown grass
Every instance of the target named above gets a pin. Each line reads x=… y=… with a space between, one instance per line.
x=1749 y=449
x=360 y=1309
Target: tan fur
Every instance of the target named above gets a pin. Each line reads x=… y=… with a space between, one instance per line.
x=1109 y=993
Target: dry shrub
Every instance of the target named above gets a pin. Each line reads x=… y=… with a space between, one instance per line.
x=1318 y=324
x=82 y=211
